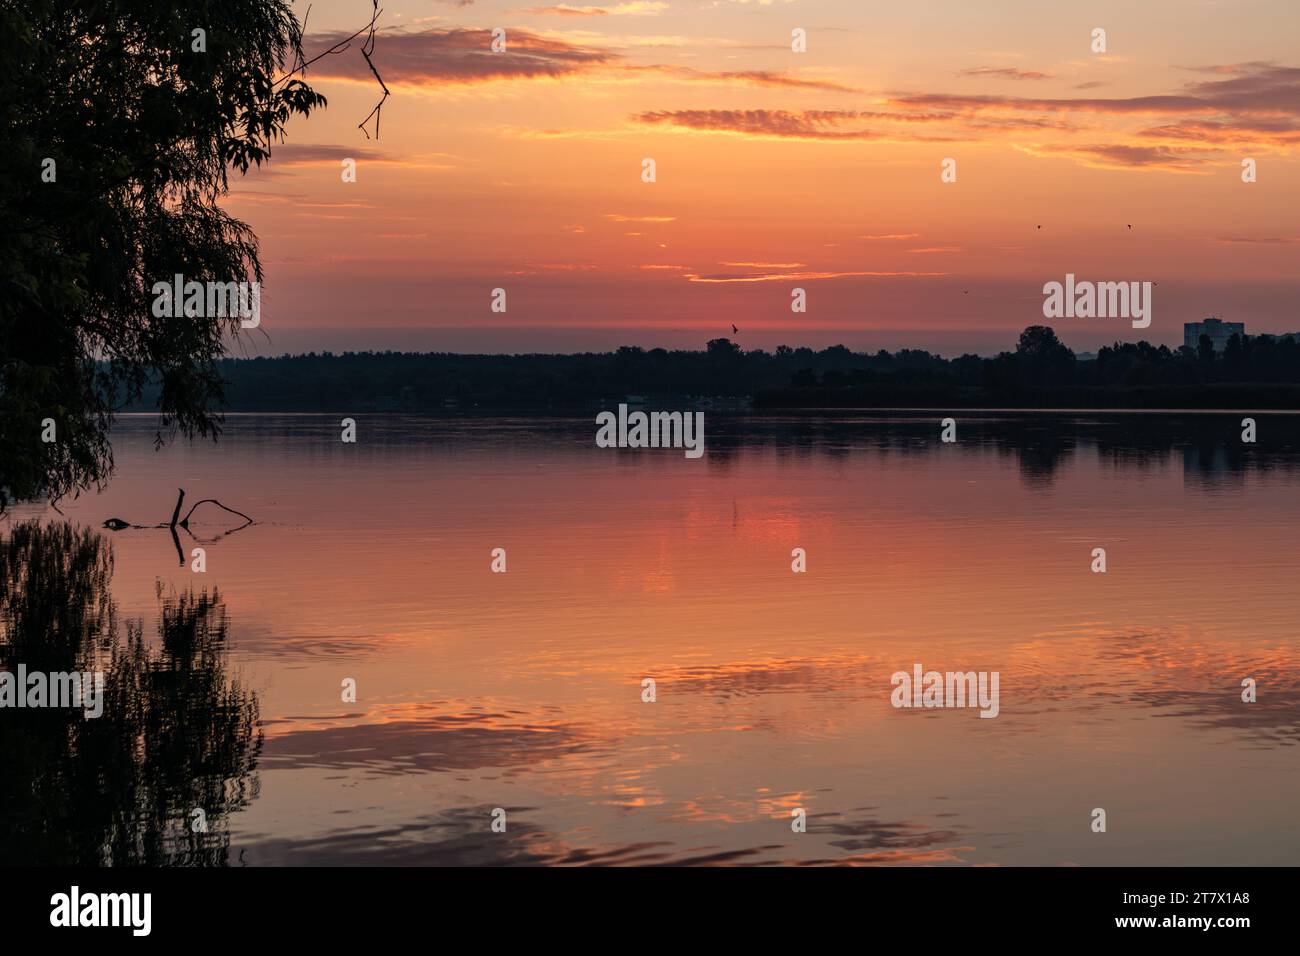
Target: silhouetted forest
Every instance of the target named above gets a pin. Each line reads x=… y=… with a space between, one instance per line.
x=1254 y=371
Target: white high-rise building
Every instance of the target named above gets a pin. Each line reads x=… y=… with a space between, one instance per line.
x=1218 y=331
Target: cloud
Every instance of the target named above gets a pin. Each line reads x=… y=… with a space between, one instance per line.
x=446 y=56
x=844 y=125
x=1008 y=123
x=455 y=56
x=832 y=125
x=1227 y=106
x=808 y=276
x=541 y=268
x=764 y=265
x=320 y=154
x=1243 y=132
x=768 y=78
x=1251 y=89
x=1007 y=73
x=1124 y=156
x=1226 y=68
x=892 y=235
x=970 y=104
x=1218 y=109
x=770 y=123
x=615 y=217
x=747 y=78
x=635 y=8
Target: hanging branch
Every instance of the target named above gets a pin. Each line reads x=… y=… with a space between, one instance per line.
x=339 y=47
x=367 y=48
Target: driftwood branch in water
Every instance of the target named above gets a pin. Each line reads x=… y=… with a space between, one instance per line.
x=117 y=524
x=186 y=523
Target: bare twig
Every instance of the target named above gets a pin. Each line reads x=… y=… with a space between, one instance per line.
x=367 y=48
x=336 y=48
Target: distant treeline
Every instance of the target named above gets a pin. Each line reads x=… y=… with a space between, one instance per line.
x=1254 y=371
x=1250 y=372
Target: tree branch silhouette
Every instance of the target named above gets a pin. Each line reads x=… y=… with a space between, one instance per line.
x=367 y=48
x=117 y=524
x=186 y=523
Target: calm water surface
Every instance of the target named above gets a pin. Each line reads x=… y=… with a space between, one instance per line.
x=522 y=690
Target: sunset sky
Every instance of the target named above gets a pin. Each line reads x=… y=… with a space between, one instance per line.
x=776 y=170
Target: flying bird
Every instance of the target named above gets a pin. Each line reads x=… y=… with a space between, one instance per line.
x=1040 y=227
x=1130 y=225
x=734 y=330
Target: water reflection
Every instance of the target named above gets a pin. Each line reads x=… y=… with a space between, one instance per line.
x=523 y=691
x=178 y=733
x=1041 y=443
x=422 y=738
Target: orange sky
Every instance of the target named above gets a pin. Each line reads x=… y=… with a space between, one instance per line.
x=775 y=169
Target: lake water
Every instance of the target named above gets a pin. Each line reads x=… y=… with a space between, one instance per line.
x=523 y=690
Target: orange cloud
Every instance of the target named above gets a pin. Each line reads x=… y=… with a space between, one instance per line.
x=808 y=276
x=1007 y=73
x=810 y=124
x=635 y=8
x=1258 y=89
x=455 y=56
x=1263 y=132
x=292 y=155
x=843 y=125
x=1123 y=156
x=615 y=217
x=747 y=78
